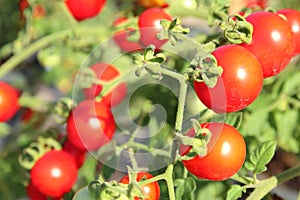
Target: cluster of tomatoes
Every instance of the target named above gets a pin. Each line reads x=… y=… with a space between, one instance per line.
x=275 y=41
x=90 y=125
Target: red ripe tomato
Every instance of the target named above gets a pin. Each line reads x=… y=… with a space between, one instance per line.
x=33 y=193
x=77 y=154
x=226 y=153
x=90 y=125
x=151 y=190
x=54 y=174
x=104 y=72
x=149 y=24
x=116 y=95
x=293 y=19
x=153 y=3
x=120 y=37
x=84 y=9
x=239 y=85
x=272 y=42
x=9 y=101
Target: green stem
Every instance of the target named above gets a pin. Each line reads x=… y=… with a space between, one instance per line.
x=169 y=180
x=30 y=50
x=288 y=174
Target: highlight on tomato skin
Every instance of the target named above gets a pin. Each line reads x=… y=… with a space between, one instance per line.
x=238 y=86
x=90 y=125
x=272 y=42
x=151 y=190
x=54 y=174
x=149 y=26
x=293 y=19
x=226 y=153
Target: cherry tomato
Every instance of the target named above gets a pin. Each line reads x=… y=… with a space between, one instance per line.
x=116 y=95
x=104 y=72
x=33 y=193
x=226 y=153
x=272 y=42
x=238 y=5
x=77 y=154
x=9 y=101
x=149 y=24
x=54 y=174
x=85 y=9
x=239 y=85
x=151 y=190
x=293 y=19
x=121 y=36
x=90 y=125
x=153 y=3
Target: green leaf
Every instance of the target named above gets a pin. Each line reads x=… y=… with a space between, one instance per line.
x=184 y=188
x=260 y=157
x=235 y=192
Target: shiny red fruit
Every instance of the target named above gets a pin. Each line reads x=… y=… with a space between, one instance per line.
x=226 y=153
x=90 y=125
x=293 y=19
x=149 y=24
x=272 y=42
x=54 y=174
x=239 y=85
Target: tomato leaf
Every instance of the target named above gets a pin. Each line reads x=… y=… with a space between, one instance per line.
x=235 y=192
x=261 y=156
x=184 y=188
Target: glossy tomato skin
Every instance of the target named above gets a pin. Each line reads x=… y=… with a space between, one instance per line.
x=226 y=153
x=272 y=42
x=293 y=19
x=103 y=72
x=149 y=24
x=54 y=174
x=151 y=190
x=239 y=85
x=33 y=193
x=121 y=37
x=78 y=155
x=85 y=9
x=9 y=101
x=90 y=125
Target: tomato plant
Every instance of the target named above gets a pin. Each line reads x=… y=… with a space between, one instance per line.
x=54 y=174
x=272 y=42
x=293 y=19
x=9 y=101
x=149 y=24
x=238 y=86
x=85 y=9
x=151 y=190
x=90 y=125
x=226 y=153
x=178 y=89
